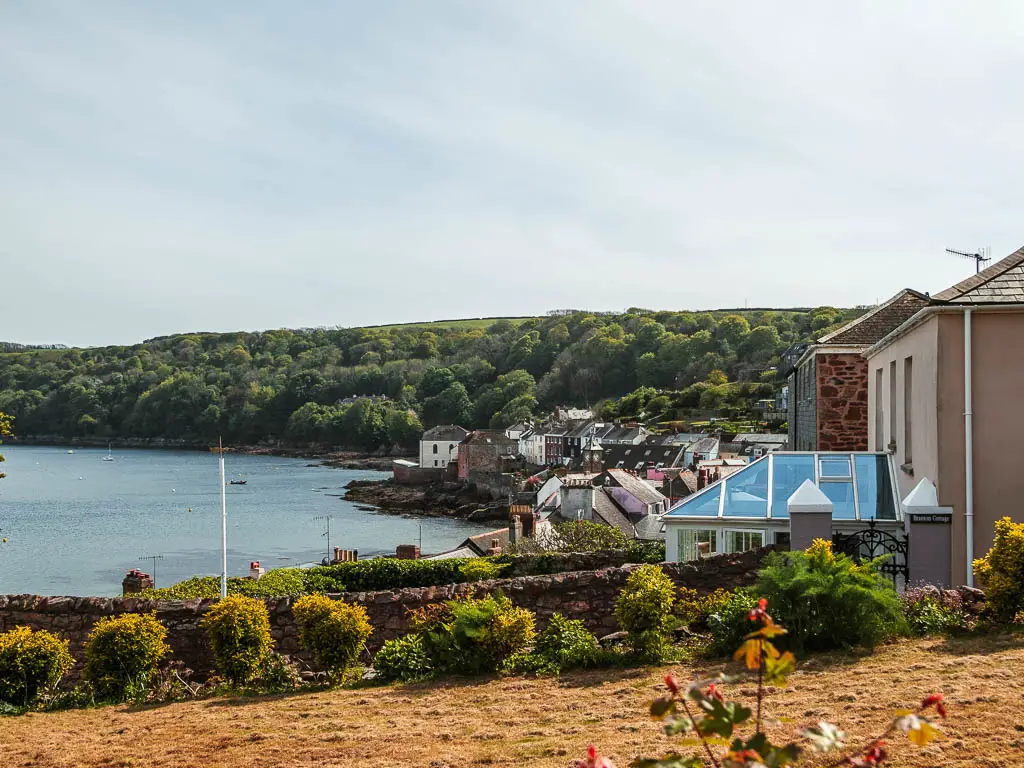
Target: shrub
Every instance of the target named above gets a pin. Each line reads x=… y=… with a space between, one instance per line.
x=122 y=653
x=828 y=601
x=404 y=659
x=334 y=631
x=1001 y=572
x=480 y=569
x=279 y=674
x=238 y=628
x=473 y=636
x=933 y=612
x=728 y=624
x=694 y=609
x=279 y=582
x=644 y=611
x=30 y=663
x=567 y=644
x=383 y=573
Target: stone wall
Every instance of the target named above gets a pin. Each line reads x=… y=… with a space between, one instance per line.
x=842 y=384
x=586 y=595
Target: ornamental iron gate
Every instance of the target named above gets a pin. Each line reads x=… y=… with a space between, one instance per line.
x=873 y=542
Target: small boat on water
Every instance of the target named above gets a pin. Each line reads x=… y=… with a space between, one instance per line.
x=70 y=451
x=109 y=456
x=237 y=482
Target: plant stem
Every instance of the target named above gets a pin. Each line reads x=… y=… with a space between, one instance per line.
x=707 y=747
x=760 y=682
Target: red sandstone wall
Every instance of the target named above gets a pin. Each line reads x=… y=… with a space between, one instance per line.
x=842 y=381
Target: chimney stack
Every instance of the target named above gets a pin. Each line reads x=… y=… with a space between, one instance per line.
x=135 y=581
x=407 y=552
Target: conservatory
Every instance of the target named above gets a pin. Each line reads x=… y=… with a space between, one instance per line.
x=748 y=509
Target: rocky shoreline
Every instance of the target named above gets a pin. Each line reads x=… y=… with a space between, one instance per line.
x=435 y=500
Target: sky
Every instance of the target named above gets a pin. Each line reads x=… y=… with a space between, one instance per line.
x=197 y=166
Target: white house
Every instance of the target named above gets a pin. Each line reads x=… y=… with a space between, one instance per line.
x=440 y=445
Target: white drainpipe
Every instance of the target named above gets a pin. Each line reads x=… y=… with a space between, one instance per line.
x=969 y=448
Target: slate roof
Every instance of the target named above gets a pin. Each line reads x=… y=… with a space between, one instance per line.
x=637 y=488
x=1002 y=283
x=482 y=541
x=606 y=510
x=704 y=445
x=650 y=528
x=760 y=437
x=879 y=322
x=446 y=432
x=459 y=552
x=638 y=457
x=489 y=436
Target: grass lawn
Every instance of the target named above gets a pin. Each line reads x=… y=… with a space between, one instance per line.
x=549 y=722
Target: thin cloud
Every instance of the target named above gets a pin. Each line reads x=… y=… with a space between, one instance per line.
x=225 y=166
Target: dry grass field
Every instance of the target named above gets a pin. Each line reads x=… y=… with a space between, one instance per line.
x=538 y=722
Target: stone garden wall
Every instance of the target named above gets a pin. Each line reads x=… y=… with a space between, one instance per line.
x=588 y=595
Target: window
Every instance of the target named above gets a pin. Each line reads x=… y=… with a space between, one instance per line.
x=705 y=504
x=695 y=543
x=451 y=447
x=746 y=492
x=782 y=539
x=741 y=541
x=908 y=387
x=879 y=413
x=835 y=468
x=435 y=447
x=789 y=474
x=892 y=405
x=874 y=488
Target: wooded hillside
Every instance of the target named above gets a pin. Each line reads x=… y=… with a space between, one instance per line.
x=293 y=384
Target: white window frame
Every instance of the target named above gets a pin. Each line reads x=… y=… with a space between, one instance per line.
x=715 y=539
x=725 y=538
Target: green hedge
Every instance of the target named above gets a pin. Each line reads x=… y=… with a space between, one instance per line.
x=384 y=573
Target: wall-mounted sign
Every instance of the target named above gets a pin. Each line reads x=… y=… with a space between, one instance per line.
x=931 y=519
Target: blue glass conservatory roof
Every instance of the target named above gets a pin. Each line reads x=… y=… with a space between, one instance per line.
x=860 y=486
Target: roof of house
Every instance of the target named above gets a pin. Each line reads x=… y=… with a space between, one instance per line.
x=650 y=528
x=453 y=553
x=623 y=433
x=635 y=487
x=704 y=445
x=522 y=426
x=760 y=437
x=638 y=457
x=446 y=432
x=876 y=323
x=482 y=541
x=488 y=436
x=608 y=512
x=1002 y=283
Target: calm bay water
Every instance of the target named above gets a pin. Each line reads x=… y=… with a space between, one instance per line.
x=75 y=524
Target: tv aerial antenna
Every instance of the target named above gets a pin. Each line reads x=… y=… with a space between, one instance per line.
x=979 y=257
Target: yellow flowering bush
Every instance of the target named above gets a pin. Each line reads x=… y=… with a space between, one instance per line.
x=1001 y=572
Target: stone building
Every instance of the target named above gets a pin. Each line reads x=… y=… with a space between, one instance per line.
x=828 y=386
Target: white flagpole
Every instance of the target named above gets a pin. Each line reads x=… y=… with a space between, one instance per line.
x=223 y=526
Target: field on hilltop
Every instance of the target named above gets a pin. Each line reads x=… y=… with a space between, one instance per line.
x=541 y=722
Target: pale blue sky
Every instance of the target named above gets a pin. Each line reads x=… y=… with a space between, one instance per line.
x=186 y=166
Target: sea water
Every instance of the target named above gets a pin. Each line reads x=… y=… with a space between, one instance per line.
x=74 y=524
